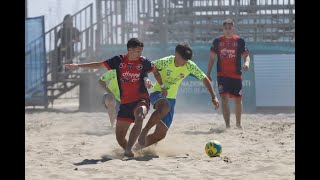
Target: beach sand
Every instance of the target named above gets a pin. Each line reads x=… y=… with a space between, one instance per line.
x=79 y=145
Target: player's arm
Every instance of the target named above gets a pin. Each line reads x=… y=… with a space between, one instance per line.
x=91 y=65
x=147 y=81
x=157 y=76
x=246 y=62
x=105 y=79
x=207 y=83
x=104 y=86
x=212 y=59
x=244 y=53
x=199 y=74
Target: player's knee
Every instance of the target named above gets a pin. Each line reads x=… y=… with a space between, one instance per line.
x=225 y=102
x=164 y=108
x=140 y=114
x=160 y=136
x=110 y=102
x=139 y=121
x=238 y=101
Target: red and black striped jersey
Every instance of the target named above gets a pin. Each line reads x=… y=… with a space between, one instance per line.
x=130 y=76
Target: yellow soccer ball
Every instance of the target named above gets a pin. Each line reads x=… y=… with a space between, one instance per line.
x=213 y=148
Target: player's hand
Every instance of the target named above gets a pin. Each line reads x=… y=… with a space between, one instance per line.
x=216 y=103
x=209 y=77
x=245 y=66
x=148 y=84
x=164 y=92
x=70 y=66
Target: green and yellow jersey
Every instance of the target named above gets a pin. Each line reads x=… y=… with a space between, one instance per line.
x=172 y=76
x=111 y=76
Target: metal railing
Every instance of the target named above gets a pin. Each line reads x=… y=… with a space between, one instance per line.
x=171 y=21
x=83 y=21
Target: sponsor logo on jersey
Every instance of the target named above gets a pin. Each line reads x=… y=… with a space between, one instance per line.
x=139 y=67
x=235 y=44
x=168 y=72
x=122 y=65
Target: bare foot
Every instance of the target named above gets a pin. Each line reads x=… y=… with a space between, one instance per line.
x=228 y=126
x=142 y=138
x=128 y=153
x=239 y=126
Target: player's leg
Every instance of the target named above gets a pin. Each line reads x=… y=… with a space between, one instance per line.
x=236 y=85
x=224 y=94
x=121 y=132
x=159 y=133
x=110 y=103
x=124 y=119
x=162 y=108
x=238 y=111
x=140 y=112
x=225 y=109
x=162 y=126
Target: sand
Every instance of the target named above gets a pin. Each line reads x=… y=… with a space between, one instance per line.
x=77 y=145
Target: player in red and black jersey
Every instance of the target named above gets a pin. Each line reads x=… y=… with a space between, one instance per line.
x=229 y=49
x=134 y=98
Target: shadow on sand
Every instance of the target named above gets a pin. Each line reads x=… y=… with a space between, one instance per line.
x=93 y=161
x=106 y=158
x=211 y=131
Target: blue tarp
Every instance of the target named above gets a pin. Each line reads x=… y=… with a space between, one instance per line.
x=35 y=63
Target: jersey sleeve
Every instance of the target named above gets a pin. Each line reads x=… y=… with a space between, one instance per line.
x=148 y=66
x=108 y=76
x=243 y=48
x=195 y=70
x=214 y=46
x=112 y=63
x=162 y=63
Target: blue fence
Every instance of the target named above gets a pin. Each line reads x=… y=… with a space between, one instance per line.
x=35 y=63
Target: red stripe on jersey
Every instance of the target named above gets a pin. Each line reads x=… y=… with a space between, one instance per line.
x=235 y=76
x=246 y=53
x=230 y=95
x=125 y=119
x=106 y=65
x=153 y=68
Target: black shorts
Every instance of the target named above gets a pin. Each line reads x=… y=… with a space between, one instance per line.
x=126 y=112
x=231 y=87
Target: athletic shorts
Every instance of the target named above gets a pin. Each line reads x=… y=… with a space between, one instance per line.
x=229 y=87
x=117 y=102
x=126 y=112
x=167 y=119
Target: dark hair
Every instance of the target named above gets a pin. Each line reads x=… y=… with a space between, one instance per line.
x=228 y=21
x=134 y=43
x=184 y=50
x=65 y=18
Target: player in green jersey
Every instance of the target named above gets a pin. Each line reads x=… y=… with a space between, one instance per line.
x=111 y=97
x=172 y=69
